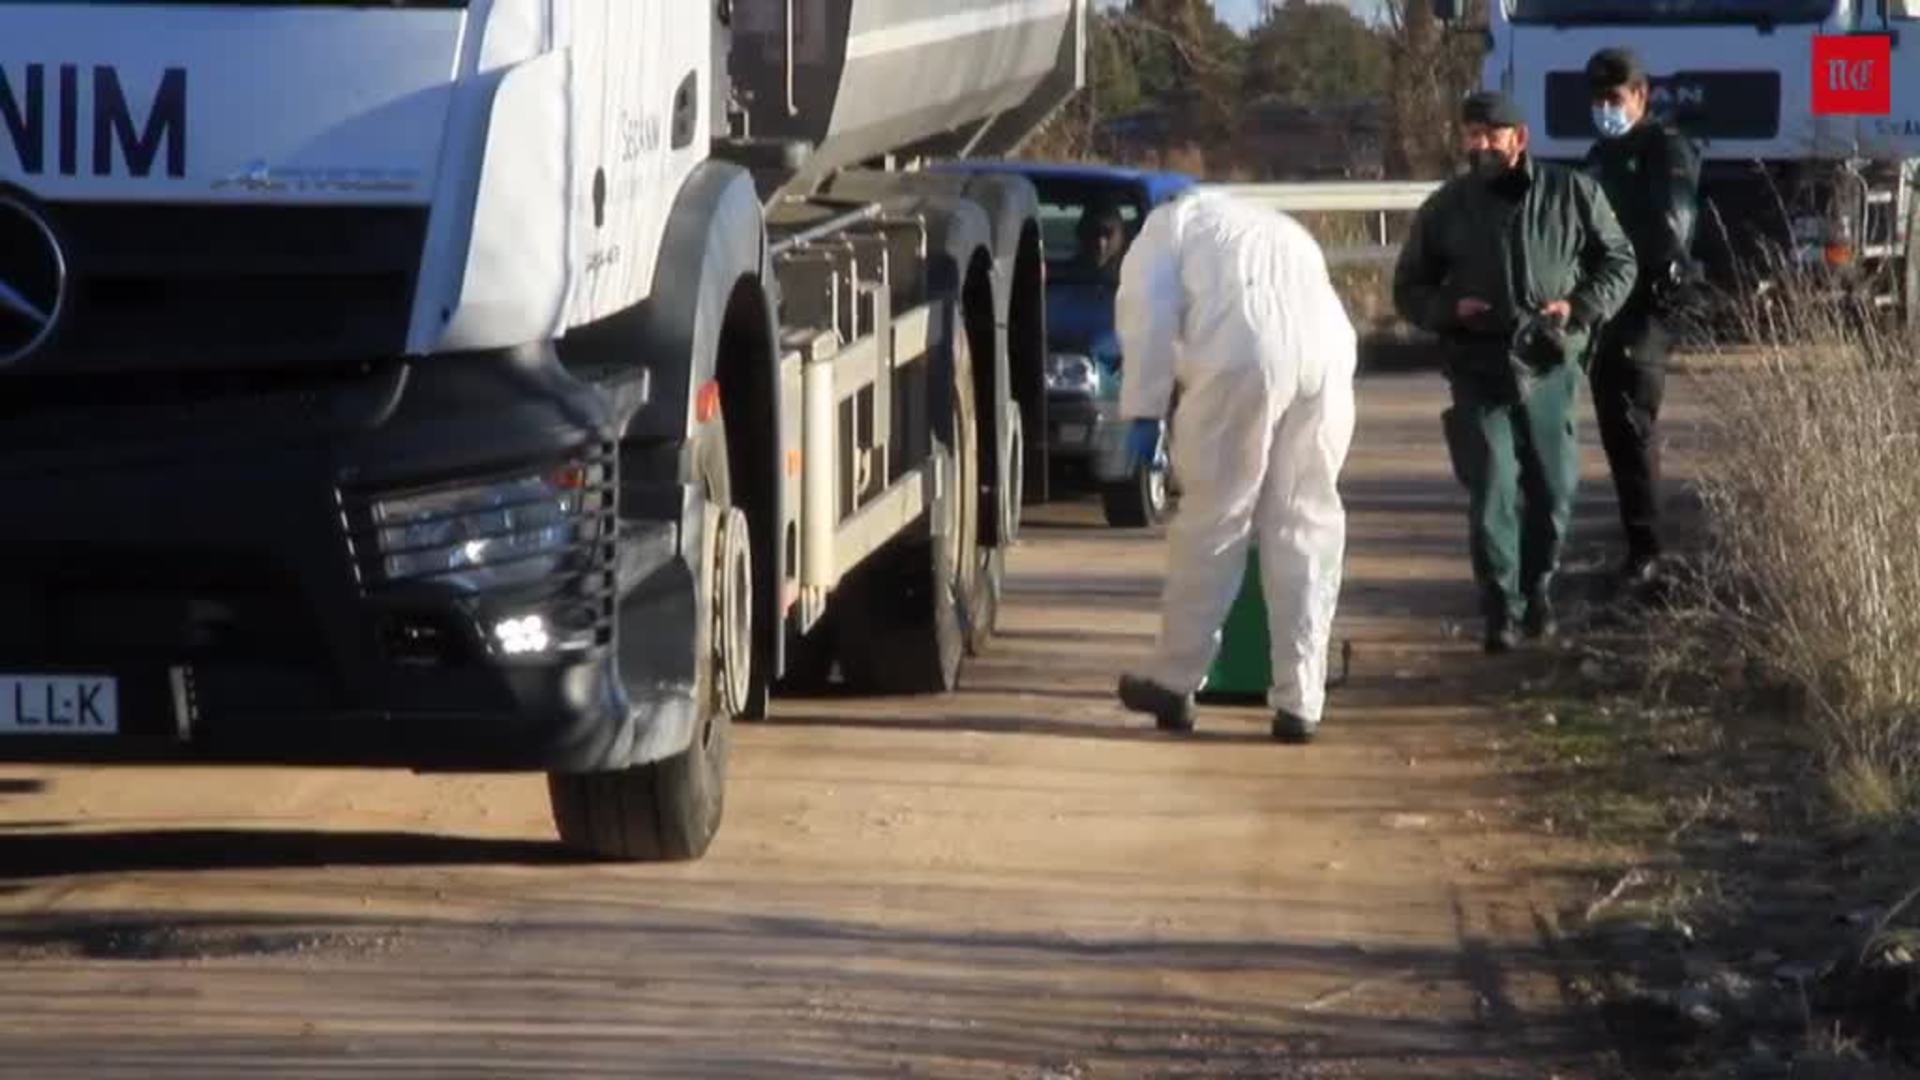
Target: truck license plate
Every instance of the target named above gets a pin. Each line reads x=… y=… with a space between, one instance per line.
x=59 y=705
x=1073 y=434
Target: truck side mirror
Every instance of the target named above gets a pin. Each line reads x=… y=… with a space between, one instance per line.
x=1445 y=10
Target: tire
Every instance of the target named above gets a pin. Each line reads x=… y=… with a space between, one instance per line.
x=810 y=660
x=1016 y=499
x=990 y=582
x=1139 y=501
x=904 y=616
x=670 y=810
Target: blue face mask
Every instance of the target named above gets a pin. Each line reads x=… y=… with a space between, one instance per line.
x=1611 y=120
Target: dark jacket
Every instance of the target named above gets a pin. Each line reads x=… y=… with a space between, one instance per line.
x=1652 y=177
x=1545 y=233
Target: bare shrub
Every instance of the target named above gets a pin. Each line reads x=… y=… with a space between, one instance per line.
x=1366 y=285
x=1811 y=488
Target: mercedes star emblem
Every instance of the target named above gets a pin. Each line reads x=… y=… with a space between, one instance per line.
x=33 y=279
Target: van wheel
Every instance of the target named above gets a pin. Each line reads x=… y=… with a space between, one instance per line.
x=1140 y=500
x=671 y=809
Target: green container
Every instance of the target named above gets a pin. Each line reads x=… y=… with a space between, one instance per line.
x=1243 y=670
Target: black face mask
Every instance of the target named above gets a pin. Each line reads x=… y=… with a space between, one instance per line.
x=1488 y=164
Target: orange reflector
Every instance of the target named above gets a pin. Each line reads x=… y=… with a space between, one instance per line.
x=570 y=477
x=1839 y=254
x=794 y=461
x=707 y=404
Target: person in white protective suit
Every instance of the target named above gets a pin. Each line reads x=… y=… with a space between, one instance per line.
x=1233 y=303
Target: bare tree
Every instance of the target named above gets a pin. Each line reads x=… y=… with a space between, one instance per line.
x=1433 y=68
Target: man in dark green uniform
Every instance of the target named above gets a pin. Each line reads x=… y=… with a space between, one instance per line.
x=1513 y=266
x=1652 y=178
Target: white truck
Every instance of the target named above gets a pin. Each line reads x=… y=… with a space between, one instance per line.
x=507 y=384
x=1737 y=76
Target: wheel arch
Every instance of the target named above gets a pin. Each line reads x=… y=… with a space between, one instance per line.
x=705 y=334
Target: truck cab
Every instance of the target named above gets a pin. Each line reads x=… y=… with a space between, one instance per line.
x=1778 y=181
x=507 y=385
x=1089 y=215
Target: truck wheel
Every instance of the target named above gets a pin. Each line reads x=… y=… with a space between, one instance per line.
x=810 y=660
x=903 y=625
x=671 y=809
x=990 y=582
x=1016 y=472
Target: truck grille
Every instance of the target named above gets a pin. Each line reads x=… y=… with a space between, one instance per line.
x=1705 y=104
x=173 y=287
x=103 y=604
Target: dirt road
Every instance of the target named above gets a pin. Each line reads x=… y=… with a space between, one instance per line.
x=1019 y=881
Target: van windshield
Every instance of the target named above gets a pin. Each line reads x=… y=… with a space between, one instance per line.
x=1086 y=229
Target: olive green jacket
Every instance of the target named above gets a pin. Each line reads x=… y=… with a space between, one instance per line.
x=1558 y=240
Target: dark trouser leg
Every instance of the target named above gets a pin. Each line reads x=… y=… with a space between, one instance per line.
x=1629 y=380
x=1549 y=463
x=1481 y=440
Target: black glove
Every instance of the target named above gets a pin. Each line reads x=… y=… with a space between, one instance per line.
x=1540 y=343
x=1673 y=288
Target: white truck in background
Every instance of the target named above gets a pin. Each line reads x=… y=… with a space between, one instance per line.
x=507 y=384
x=1737 y=76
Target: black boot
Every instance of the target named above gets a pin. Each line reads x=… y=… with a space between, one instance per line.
x=1642 y=570
x=1643 y=579
x=1289 y=728
x=1541 y=625
x=1501 y=637
x=1170 y=711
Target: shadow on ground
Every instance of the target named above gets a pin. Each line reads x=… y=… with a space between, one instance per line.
x=776 y=996
x=40 y=854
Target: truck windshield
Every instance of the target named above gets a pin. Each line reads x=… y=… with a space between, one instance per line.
x=1764 y=12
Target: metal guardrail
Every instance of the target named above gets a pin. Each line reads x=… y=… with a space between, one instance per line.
x=1338 y=196
x=1377 y=197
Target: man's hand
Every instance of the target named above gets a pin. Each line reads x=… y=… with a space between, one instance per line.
x=1143 y=442
x=1468 y=308
x=1557 y=310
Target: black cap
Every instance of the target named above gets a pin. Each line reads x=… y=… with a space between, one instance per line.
x=1492 y=108
x=1613 y=67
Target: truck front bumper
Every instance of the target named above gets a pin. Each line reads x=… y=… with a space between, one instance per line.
x=229 y=560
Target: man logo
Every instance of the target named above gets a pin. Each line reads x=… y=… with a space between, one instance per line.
x=33 y=280
x=1851 y=75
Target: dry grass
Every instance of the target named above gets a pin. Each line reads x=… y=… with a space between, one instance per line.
x=1811 y=573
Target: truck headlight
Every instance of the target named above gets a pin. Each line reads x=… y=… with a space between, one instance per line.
x=1072 y=372
x=488 y=535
